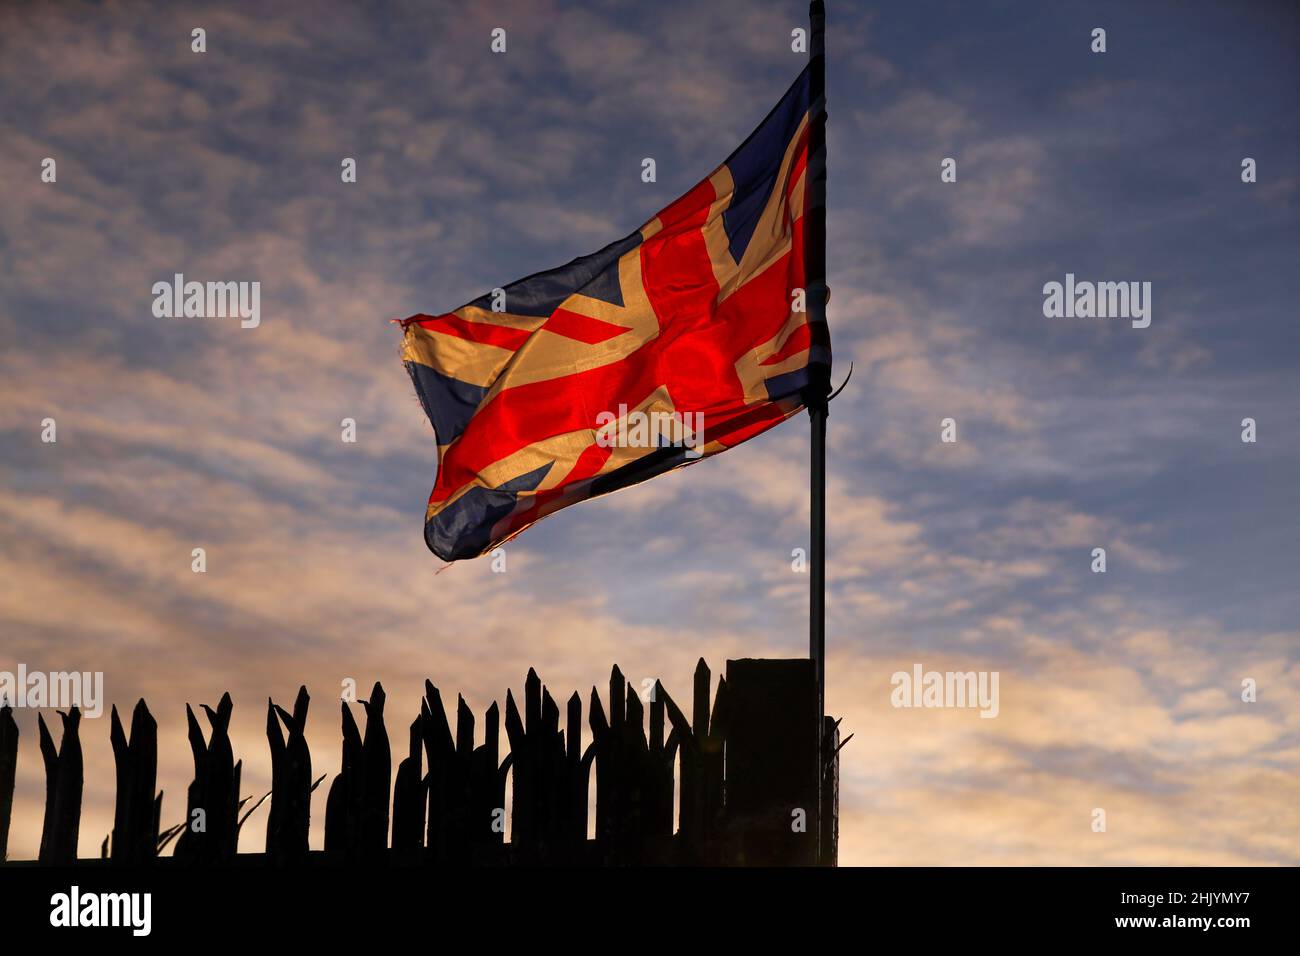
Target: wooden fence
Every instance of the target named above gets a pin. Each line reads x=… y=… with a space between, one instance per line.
x=758 y=781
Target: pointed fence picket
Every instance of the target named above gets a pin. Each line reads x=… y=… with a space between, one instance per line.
x=448 y=801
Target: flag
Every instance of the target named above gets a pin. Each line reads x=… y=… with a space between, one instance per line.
x=677 y=342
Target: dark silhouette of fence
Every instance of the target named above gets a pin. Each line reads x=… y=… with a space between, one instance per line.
x=758 y=781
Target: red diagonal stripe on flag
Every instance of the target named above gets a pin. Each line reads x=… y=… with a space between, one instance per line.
x=582 y=327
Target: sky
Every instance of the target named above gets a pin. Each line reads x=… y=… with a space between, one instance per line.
x=1119 y=690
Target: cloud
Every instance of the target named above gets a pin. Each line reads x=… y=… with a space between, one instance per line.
x=1120 y=691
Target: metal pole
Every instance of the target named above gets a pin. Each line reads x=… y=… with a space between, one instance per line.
x=819 y=386
x=817 y=583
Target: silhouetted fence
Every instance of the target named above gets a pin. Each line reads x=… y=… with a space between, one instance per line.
x=758 y=781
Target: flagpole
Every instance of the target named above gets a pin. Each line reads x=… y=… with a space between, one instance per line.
x=818 y=390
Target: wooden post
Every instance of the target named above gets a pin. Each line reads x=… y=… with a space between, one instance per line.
x=8 y=766
x=288 y=821
x=829 y=849
x=773 y=770
x=63 y=784
x=376 y=772
x=343 y=804
x=409 y=801
x=135 y=828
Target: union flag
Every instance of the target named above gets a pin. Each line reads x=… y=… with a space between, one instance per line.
x=540 y=393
